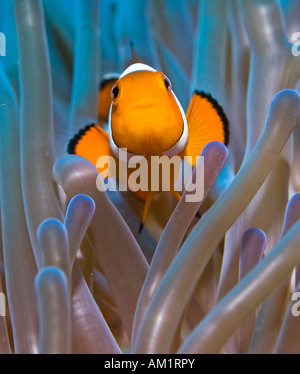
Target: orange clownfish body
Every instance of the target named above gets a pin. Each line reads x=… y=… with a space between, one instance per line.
x=146 y=118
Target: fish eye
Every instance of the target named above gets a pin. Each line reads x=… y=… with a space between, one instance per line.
x=167 y=83
x=114 y=92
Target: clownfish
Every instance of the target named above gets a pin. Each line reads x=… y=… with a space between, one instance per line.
x=145 y=117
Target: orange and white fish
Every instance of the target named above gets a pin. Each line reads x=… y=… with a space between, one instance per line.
x=145 y=117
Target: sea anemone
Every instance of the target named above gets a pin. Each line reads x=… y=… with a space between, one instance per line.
x=77 y=276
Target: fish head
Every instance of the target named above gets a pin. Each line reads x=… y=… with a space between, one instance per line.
x=145 y=115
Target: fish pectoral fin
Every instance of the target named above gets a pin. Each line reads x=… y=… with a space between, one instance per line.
x=207 y=122
x=92 y=143
x=177 y=194
x=148 y=201
x=179 y=197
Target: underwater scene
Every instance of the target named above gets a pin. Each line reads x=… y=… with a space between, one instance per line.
x=149 y=176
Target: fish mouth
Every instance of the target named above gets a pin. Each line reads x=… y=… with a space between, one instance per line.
x=148 y=111
x=147 y=102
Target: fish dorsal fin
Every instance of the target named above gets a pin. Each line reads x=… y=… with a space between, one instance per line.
x=207 y=122
x=135 y=58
